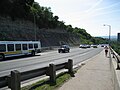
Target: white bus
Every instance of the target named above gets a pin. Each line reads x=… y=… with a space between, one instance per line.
x=17 y=48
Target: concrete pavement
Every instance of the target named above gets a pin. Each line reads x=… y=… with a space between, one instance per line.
x=94 y=75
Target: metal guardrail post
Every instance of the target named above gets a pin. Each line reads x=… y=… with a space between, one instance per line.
x=14 y=80
x=112 y=53
x=118 y=67
x=116 y=57
x=52 y=73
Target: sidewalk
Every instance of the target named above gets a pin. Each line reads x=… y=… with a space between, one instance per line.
x=94 y=75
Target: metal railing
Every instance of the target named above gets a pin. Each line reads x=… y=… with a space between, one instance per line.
x=14 y=80
x=116 y=56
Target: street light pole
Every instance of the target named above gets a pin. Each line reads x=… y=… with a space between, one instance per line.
x=34 y=26
x=109 y=32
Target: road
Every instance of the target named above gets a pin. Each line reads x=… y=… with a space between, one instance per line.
x=44 y=59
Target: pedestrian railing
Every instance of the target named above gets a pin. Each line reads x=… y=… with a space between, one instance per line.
x=117 y=58
x=13 y=81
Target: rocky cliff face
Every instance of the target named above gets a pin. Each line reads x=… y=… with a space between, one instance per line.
x=20 y=30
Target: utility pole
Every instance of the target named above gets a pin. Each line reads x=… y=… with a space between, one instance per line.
x=34 y=26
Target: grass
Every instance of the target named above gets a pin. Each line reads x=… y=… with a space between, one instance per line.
x=46 y=85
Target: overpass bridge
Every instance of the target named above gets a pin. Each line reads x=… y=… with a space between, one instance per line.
x=96 y=73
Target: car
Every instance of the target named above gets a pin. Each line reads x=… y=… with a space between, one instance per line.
x=63 y=49
x=88 y=46
x=102 y=45
x=84 y=46
x=94 y=46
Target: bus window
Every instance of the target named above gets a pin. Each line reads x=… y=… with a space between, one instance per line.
x=24 y=46
x=35 y=45
x=2 y=47
x=10 y=47
x=18 y=47
x=30 y=46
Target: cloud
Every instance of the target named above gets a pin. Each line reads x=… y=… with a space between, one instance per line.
x=92 y=12
x=94 y=6
x=108 y=7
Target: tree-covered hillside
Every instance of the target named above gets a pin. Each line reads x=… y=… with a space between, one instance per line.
x=42 y=17
x=30 y=10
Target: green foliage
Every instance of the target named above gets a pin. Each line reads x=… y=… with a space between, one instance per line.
x=69 y=28
x=15 y=8
x=116 y=46
x=99 y=40
x=46 y=85
x=43 y=18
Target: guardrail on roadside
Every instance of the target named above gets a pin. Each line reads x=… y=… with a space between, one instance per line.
x=14 y=80
x=116 y=56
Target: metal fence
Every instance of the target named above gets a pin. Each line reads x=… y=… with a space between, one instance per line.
x=117 y=58
x=14 y=80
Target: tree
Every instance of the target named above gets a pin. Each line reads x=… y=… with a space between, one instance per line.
x=69 y=28
x=5 y=7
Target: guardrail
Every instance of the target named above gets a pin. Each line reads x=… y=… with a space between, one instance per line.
x=115 y=67
x=14 y=80
x=116 y=56
x=49 y=48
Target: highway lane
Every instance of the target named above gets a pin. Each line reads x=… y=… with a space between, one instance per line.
x=44 y=59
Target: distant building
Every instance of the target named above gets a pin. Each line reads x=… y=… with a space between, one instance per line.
x=118 y=37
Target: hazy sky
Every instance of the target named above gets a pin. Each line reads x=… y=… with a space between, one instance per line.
x=87 y=14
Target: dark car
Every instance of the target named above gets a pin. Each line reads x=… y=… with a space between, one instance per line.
x=63 y=49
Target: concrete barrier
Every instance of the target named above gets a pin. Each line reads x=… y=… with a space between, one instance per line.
x=114 y=65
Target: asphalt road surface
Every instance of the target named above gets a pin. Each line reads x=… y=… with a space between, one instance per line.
x=44 y=59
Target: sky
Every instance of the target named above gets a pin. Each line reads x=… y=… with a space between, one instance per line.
x=90 y=15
